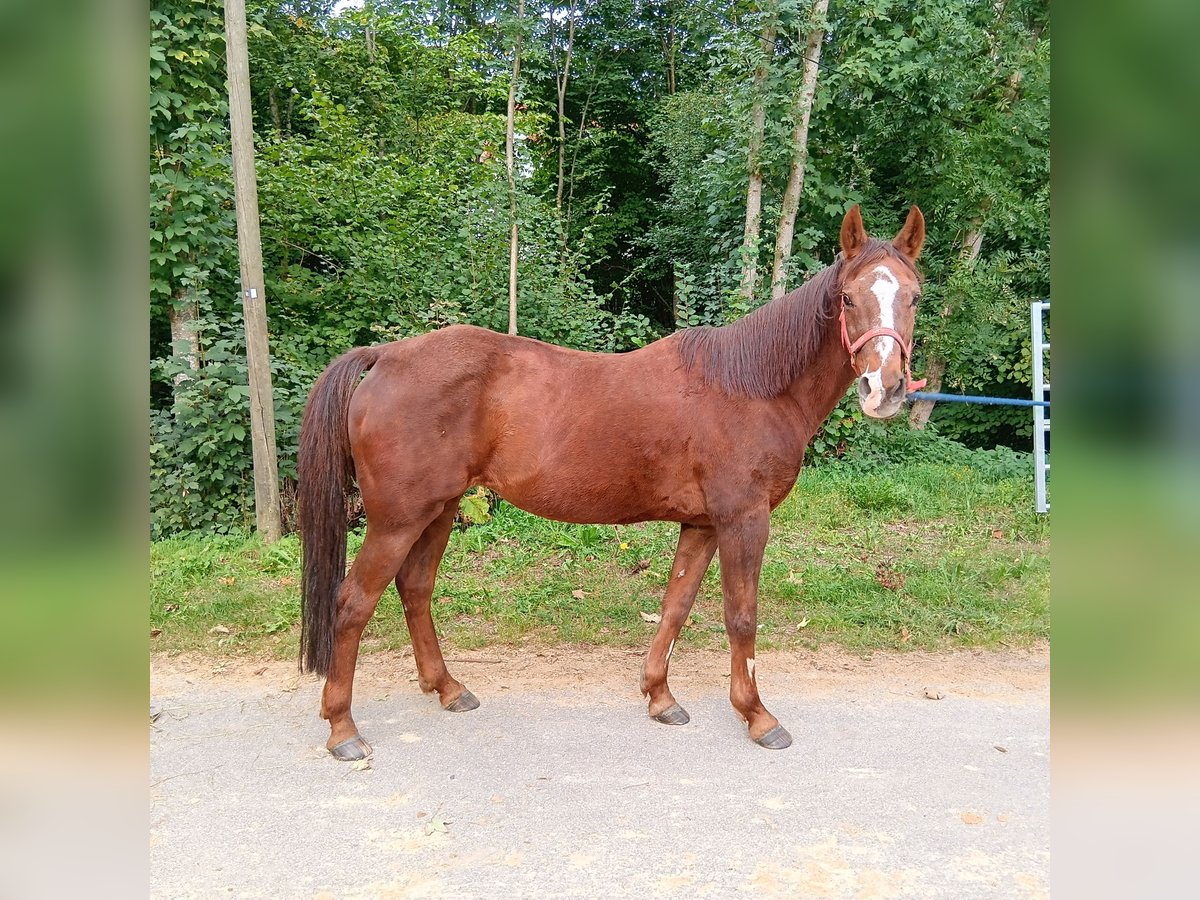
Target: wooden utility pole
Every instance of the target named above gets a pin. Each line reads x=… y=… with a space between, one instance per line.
x=254 y=306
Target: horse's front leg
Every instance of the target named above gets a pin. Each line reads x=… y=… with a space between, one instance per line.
x=741 y=543
x=697 y=544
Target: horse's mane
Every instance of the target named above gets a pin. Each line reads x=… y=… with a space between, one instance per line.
x=762 y=353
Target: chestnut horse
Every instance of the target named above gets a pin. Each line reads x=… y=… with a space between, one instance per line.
x=706 y=427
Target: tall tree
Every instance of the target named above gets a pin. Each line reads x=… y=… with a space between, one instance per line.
x=562 y=78
x=999 y=95
x=754 y=169
x=801 y=114
x=509 y=160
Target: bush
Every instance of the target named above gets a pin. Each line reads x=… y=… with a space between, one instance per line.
x=855 y=442
x=201 y=465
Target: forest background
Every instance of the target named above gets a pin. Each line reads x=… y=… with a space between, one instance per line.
x=672 y=164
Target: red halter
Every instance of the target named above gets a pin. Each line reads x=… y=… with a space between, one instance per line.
x=852 y=349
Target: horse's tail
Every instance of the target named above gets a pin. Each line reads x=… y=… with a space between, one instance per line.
x=325 y=470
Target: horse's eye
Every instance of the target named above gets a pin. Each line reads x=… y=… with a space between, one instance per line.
x=846 y=301
x=916 y=299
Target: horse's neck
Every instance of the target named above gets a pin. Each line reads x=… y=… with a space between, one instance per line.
x=823 y=383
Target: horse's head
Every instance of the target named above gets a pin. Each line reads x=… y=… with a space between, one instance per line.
x=880 y=287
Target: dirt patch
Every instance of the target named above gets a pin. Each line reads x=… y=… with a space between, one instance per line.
x=1003 y=675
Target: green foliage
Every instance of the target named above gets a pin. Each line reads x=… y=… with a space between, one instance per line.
x=200 y=458
x=199 y=448
x=191 y=218
x=845 y=428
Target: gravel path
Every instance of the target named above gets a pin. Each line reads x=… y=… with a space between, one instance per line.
x=560 y=786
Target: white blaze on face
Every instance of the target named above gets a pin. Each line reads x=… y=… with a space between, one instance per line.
x=885 y=289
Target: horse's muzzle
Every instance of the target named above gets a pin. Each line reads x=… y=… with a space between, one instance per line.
x=878 y=402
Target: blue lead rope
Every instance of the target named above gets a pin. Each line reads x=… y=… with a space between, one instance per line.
x=964 y=398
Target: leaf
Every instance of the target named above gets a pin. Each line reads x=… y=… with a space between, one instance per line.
x=650 y=617
x=803 y=623
x=970 y=818
x=474 y=508
x=435 y=826
x=219 y=629
x=641 y=566
x=578 y=595
x=361 y=765
x=933 y=694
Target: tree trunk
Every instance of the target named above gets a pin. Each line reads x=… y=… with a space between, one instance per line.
x=935 y=368
x=575 y=157
x=276 y=118
x=254 y=307
x=668 y=43
x=801 y=114
x=563 y=78
x=754 y=187
x=183 y=314
x=935 y=365
x=370 y=31
x=512 y=184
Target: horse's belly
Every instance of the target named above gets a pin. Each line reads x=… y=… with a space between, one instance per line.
x=602 y=496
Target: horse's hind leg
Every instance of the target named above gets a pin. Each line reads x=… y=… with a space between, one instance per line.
x=415 y=585
x=696 y=547
x=376 y=564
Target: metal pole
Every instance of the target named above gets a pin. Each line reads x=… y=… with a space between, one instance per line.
x=1041 y=424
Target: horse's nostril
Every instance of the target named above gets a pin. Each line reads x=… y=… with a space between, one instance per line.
x=864 y=386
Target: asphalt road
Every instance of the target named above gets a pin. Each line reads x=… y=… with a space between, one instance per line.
x=564 y=788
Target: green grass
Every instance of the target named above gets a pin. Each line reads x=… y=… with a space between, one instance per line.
x=917 y=554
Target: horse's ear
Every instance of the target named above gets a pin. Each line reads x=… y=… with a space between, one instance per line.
x=911 y=237
x=854 y=236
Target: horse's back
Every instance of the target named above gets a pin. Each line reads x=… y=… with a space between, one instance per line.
x=563 y=433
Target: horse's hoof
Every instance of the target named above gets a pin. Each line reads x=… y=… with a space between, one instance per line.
x=464 y=702
x=775 y=739
x=350 y=750
x=673 y=715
